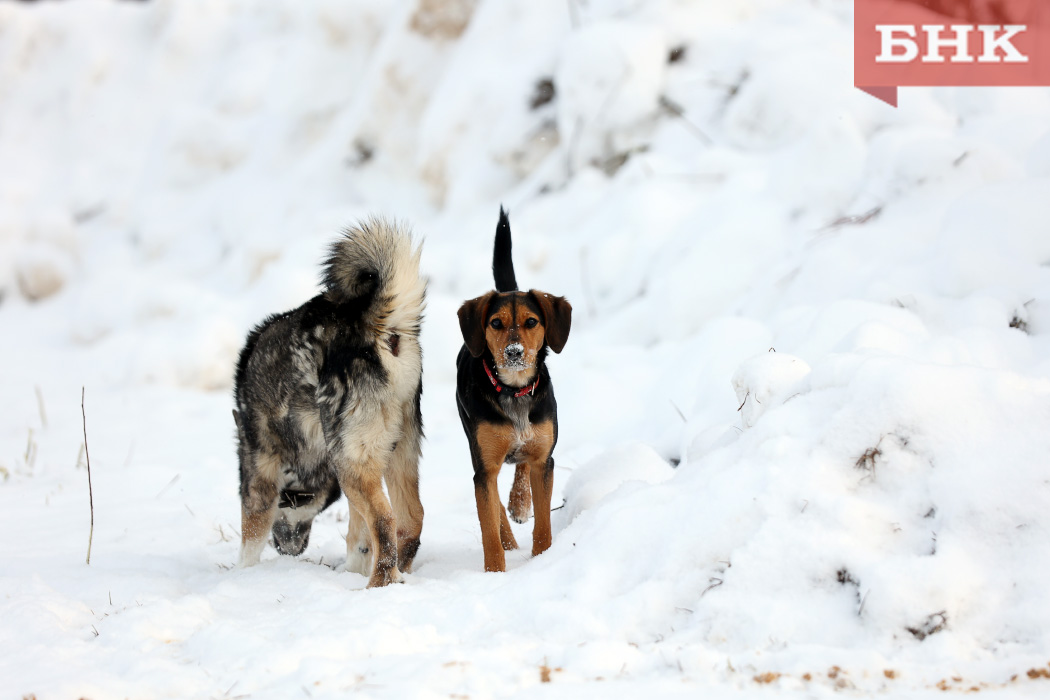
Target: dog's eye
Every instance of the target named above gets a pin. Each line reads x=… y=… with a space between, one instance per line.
x=532 y=323
x=496 y=323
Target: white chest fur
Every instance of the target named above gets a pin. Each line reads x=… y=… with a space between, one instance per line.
x=517 y=410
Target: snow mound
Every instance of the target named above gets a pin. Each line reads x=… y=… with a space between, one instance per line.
x=889 y=502
x=765 y=381
x=591 y=483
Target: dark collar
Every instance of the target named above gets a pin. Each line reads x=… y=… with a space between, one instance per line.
x=530 y=389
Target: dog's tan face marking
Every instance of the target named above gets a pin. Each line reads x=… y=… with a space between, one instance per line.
x=514 y=334
x=514 y=326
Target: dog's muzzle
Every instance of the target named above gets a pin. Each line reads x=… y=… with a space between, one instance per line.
x=291 y=538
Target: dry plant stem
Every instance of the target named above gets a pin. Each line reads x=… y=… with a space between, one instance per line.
x=676 y=109
x=91 y=495
x=40 y=407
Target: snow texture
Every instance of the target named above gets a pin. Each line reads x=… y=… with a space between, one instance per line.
x=700 y=180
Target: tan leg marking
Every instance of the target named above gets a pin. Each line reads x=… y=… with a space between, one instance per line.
x=402 y=482
x=363 y=486
x=538 y=456
x=520 y=500
x=493 y=443
x=506 y=535
x=259 y=508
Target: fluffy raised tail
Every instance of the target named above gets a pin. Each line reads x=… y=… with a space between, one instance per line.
x=502 y=265
x=374 y=269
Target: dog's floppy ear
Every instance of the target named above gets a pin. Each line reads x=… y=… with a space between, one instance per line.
x=557 y=317
x=472 y=322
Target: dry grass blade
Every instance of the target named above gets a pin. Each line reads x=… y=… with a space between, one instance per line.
x=855 y=219
x=91 y=494
x=40 y=407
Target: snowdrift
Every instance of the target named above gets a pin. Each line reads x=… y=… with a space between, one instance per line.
x=804 y=407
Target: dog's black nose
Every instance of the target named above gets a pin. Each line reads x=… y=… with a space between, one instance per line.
x=514 y=352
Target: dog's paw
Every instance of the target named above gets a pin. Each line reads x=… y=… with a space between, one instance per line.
x=519 y=513
x=359 y=560
x=385 y=578
x=251 y=553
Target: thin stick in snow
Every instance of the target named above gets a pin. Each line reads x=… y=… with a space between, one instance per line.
x=169 y=485
x=91 y=494
x=30 y=455
x=40 y=406
x=715 y=583
x=860 y=610
x=677 y=110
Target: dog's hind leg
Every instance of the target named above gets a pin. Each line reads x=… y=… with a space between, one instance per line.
x=358 y=545
x=520 y=500
x=363 y=486
x=402 y=482
x=258 y=506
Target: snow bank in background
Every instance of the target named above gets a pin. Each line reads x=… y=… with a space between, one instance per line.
x=610 y=77
x=700 y=180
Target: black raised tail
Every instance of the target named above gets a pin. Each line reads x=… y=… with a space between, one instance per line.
x=502 y=265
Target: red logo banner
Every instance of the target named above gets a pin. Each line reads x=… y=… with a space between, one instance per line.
x=949 y=42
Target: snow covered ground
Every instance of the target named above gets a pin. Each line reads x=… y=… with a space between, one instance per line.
x=805 y=405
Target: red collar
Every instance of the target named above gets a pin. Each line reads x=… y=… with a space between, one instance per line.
x=530 y=389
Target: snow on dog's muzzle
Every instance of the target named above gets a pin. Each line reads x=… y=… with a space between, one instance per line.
x=514 y=355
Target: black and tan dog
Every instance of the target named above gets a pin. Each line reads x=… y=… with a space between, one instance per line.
x=506 y=401
x=328 y=399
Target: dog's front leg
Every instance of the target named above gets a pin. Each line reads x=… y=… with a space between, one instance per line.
x=358 y=544
x=258 y=506
x=491 y=445
x=541 y=475
x=362 y=483
x=489 y=510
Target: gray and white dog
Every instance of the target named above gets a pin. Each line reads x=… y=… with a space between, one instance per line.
x=328 y=397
